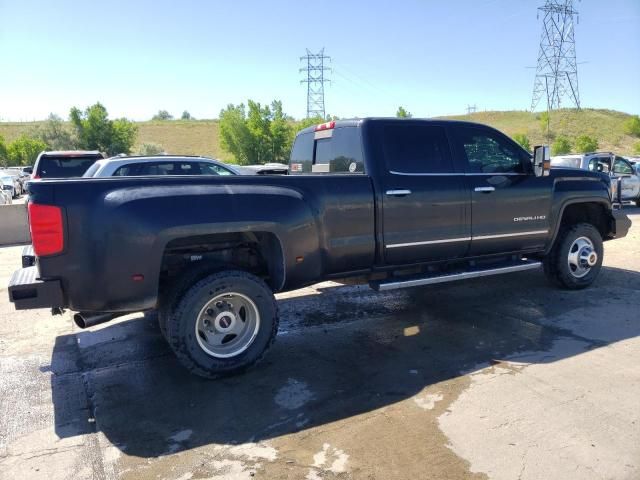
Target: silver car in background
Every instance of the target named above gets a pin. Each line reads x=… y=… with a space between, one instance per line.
x=160 y=165
x=5 y=195
x=11 y=183
x=617 y=167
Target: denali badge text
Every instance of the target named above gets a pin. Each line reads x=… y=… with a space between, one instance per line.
x=529 y=219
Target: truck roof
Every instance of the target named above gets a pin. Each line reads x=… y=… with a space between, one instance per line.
x=355 y=122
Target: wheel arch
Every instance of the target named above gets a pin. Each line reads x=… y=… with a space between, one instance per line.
x=595 y=211
x=257 y=252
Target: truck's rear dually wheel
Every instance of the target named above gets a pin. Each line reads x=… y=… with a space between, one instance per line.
x=223 y=324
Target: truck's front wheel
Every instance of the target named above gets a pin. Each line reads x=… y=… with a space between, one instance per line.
x=576 y=257
x=223 y=324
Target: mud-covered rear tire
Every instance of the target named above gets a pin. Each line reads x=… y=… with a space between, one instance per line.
x=576 y=257
x=222 y=324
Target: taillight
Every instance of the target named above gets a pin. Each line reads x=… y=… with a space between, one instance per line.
x=35 y=176
x=45 y=223
x=325 y=126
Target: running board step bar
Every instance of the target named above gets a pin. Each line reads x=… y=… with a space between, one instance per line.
x=392 y=284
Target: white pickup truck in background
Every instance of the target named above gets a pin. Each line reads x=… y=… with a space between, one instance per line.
x=614 y=165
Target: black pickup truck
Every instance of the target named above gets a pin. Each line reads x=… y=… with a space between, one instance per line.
x=391 y=202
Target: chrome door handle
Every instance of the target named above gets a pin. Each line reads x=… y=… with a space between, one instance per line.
x=485 y=189
x=398 y=193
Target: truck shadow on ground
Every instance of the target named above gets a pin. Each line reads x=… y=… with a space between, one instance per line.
x=342 y=352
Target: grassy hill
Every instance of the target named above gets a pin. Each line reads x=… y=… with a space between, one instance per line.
x=200 y=137
x=605 y=125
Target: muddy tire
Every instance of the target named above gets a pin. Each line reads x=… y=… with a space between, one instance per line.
x=222 y=324
x=176 y=288
x=576 y=257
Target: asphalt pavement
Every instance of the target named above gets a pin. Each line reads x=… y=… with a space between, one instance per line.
x=502 y=377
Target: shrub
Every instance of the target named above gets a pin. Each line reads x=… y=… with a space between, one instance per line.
x=24 y=150
x=632 y=126
x=585 y=143
x=149 y=148
x=561 y=145
x=162 y=115
x=523 y=140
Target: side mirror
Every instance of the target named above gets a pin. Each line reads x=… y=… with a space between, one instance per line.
x=541 y=161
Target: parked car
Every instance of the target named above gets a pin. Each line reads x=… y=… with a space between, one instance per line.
x=391 y=202
x=266 y=169
x=64 y=164
x=11 y=182
x=609 y=163
x=5 y=195
x=159 y=165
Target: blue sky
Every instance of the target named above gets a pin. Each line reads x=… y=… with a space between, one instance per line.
x=432 y=57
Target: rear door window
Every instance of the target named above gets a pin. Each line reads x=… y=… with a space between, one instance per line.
x=64 y=166
x=415 y=148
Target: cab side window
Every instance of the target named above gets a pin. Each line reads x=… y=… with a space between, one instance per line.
x=488 y=152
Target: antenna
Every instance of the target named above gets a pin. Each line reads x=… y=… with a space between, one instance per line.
x=557 y=70
x=315 y=82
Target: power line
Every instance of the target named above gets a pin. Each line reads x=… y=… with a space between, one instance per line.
x=557 y=70
x=315 y=82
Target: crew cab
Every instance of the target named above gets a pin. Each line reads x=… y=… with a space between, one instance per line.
x=389 y=202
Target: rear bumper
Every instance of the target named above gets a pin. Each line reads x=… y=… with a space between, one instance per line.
x=28 y=257
x=622 y=223
x=27 y=291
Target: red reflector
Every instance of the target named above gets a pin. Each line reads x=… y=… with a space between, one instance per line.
x=45 y=223
x=35 y=177
x=137 y=277
x=325 y=126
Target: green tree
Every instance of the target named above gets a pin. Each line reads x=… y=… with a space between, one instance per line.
x=632 y=126
x=561 y=145
x=96 y=132
x=55 y=134
x=24 y=150
x=186 y=116
x=402 y=113
x=162 y=115
x=257 y=135
x=585 y=143
x=149 y=148
x=3 y=151
x=308 y=122
x=523 y=140
x=234 y=133
x=281 y=133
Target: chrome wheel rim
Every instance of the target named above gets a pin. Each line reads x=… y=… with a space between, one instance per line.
x=582 y=257
x=227 y=325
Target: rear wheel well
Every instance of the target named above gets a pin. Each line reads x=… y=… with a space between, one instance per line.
x=593 y=213
x=259 y=253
